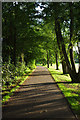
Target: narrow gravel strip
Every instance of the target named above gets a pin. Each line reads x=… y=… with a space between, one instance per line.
x=38 y=97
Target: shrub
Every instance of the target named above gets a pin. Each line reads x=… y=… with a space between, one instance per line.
x=31 y=64
x=9 y=72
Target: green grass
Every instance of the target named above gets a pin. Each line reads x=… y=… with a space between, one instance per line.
x=70 y=90
x=11 y=92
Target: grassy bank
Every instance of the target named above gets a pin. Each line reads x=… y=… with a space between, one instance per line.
x=7 y=92
x=70 y=90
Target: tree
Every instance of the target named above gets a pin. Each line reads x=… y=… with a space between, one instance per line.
x=57 y=13
x=60 y=40
x=18 y=36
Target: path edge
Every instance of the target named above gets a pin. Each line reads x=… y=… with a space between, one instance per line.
x=17 y=88
x=65 y=98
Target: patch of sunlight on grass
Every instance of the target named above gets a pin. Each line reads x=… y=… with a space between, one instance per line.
x=58 y=76
x=72 y=98
x=70 y=90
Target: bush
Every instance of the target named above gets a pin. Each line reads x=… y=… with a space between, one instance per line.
x=9 y=72
x=31 y=64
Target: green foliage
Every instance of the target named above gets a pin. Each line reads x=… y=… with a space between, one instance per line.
x=20 y=68
x=18 y=36
x=31 y=64
x=76 y=57
x=59 y=77
x=13 y=76
x=9 y=72
x=70 y=90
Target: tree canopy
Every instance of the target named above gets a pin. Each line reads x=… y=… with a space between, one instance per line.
x=45 y=32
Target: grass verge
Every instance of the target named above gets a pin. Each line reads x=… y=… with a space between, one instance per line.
x=70 y=90
x=9 y=93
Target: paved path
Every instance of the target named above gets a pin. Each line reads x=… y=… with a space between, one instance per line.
x=38 y=97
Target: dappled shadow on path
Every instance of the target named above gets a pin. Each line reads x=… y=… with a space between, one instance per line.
x=46 y=84
x=40 y=73
x=40 y=100
x=38 y=97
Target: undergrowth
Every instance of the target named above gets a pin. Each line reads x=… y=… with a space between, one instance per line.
x=13 y=77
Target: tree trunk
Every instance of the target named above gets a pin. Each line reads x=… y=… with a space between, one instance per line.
x=51 y=63
x=43 y=64
x=14 y=48
x=71 y=34
x=57 y=68
x=22 y=57
x=74 y=76
x=64 y=67
x=47 y=59
x=78 y=56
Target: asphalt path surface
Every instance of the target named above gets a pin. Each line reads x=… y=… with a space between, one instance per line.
x=38 y=97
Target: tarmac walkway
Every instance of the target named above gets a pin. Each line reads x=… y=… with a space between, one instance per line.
x=38 y=97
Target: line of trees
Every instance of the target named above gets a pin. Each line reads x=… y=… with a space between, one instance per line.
x=43 y=32
x=65 y=20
